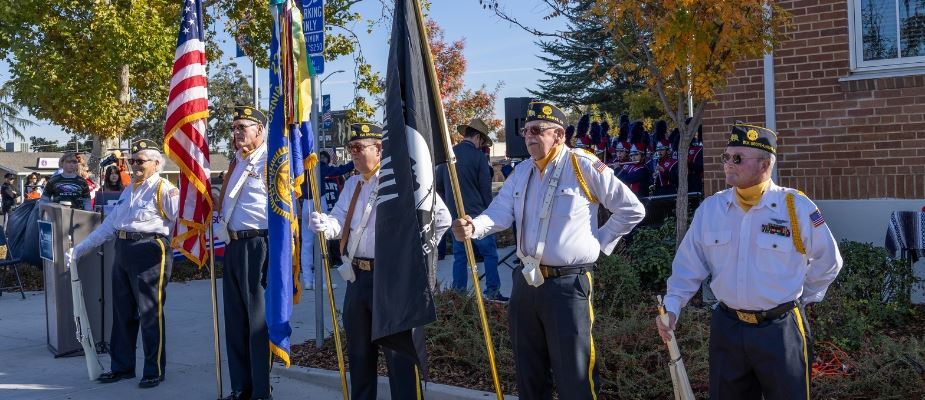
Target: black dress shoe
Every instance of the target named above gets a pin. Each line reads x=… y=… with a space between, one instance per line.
x=237 y=396
x=150 y=382
x=110 y=377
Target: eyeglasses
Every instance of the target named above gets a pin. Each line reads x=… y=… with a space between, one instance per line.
x=737 y=159
x=241 y=127
x=356 y=148
x=137 y=161
x=535 y=131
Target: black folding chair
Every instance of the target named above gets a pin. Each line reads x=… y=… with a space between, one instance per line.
x=8 y=262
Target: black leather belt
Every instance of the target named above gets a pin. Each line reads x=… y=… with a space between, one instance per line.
x=126 y=235
x=756 y=317
x=247 y=234
x=555 y=272
x=362 y=264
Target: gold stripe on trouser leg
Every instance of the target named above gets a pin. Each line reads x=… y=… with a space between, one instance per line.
x=799 y=317
x=417 y=383
x=591 y=335
x=160 y=308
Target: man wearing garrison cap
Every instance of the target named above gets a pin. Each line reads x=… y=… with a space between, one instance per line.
x=770 y=253
x=554 y=198
x=353 y=220
x=139 y=226
x=243 y=208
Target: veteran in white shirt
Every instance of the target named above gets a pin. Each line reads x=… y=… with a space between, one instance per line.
x=353 y=220
x=140 y=223
x=770 y=253
x=553 y=199
x=244 y=208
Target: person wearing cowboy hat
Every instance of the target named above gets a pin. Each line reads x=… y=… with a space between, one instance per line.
x=770 y=253
x=475 y=175
x=554 y=199
x=140 y=227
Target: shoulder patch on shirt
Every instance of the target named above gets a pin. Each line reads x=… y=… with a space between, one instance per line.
x=173 y=192
x=816 y=218
x=600 y=166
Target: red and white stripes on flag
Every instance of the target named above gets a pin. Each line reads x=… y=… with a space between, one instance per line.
x=185 y=135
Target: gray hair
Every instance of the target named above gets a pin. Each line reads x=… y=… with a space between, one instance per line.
x=154 y=155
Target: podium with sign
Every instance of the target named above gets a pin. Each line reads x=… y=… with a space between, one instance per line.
x=56 y=222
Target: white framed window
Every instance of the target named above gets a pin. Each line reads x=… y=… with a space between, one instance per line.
x=887 y=35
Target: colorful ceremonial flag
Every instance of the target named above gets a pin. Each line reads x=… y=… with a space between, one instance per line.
x=405 y=240
x=289 y=138
x=185 y=135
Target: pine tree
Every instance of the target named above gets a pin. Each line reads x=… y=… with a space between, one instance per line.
x=583 y=65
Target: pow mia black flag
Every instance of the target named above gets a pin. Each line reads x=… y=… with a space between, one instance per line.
x=412 y=143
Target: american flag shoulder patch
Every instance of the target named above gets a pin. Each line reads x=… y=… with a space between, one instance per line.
x=600 y=166
x=816 y=218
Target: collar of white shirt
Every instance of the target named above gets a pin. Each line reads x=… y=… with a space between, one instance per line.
x=153 y=179
x=770 y=198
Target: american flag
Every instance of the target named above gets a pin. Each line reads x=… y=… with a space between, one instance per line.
x=185 y=134
x=816 y=218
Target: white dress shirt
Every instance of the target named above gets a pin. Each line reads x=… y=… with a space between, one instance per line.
x=573 y=236
x=247 y=190
x=366 y=247
x=754 y=263
x=137 y=210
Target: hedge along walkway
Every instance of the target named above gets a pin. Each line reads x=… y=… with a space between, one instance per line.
x=879 y=343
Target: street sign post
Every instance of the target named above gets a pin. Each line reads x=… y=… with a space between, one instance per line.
x=313 y=27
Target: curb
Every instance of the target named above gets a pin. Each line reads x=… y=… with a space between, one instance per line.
x=331 y=379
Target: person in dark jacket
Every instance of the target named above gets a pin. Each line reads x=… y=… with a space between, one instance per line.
x=9 y=193
x=474 y=174
x=635 y=174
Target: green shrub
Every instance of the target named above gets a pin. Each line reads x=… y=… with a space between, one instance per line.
x=870 y=294
x=650 y=252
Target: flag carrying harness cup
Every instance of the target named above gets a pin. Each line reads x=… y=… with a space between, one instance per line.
x=354 y=241
x=532 y=263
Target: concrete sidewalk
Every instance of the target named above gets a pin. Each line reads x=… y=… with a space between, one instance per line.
x=29 y=371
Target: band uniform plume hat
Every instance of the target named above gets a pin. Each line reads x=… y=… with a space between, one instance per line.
x=249 y=113
x=145 y=144
x=756 y=137
x=542 y=111
x=365 y=130
x=479 y=126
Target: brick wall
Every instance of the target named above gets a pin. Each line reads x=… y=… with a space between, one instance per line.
x=856 y=139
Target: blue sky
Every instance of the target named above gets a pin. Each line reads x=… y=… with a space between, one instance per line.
x=496 y=51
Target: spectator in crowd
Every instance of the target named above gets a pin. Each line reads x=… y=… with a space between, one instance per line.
x=34 y=186
x=84 y=171
x=112 y=179
x=68 y=187
x=9 y=193
x=474 y=174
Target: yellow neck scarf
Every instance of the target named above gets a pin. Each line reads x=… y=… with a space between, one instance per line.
x=542 y=163
x=368 y=175
x=749 y=197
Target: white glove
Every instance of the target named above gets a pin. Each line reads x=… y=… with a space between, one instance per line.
x=69 y=257
x=346 y=272
x=318 y=222
x=532 y=272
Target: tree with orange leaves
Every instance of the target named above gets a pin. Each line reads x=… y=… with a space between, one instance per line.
x=684 y=50
x=460 y=104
